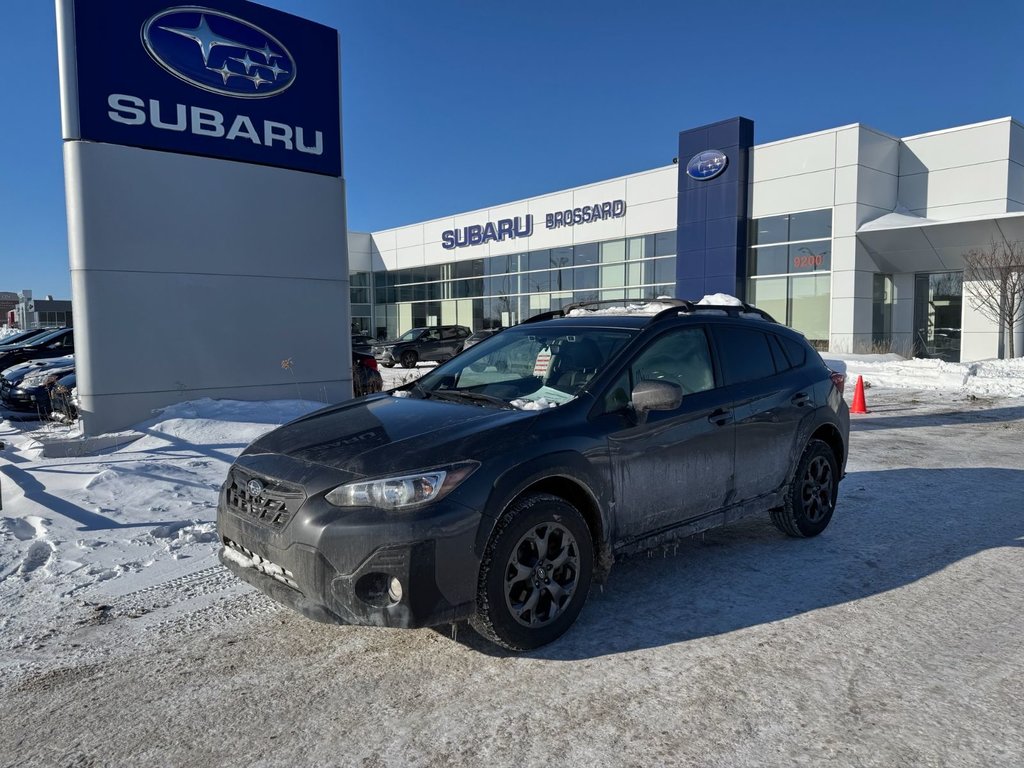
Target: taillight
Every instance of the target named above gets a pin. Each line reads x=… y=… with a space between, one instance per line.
x=839 y=379
x=370 y=362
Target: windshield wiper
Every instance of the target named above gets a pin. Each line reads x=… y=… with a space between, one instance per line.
x=455 y=395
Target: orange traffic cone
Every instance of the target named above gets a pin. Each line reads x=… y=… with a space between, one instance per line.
x=859 y=406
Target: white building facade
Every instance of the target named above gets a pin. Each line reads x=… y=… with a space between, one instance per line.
x=854 y=237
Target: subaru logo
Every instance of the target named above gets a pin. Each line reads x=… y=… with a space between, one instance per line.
x=255 y=488
x=218 y=52
x=706 y=165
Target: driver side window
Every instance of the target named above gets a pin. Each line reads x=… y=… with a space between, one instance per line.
x=680 y=357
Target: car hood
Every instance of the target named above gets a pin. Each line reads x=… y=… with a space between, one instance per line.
x=381 y=434
x=18 y=372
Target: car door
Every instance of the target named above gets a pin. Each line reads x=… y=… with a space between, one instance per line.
x=770 y=399
x=675 y=465
x=451 y=342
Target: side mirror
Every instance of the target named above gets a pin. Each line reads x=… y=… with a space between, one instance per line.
x=655 y=396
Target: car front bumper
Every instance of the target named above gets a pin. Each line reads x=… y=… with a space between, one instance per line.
x=18 y=399
x=385 y=356
x=336 y=565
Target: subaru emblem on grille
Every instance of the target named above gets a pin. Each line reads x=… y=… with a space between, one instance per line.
x=255 y=488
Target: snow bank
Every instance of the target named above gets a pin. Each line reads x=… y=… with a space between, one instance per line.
x=992 y=378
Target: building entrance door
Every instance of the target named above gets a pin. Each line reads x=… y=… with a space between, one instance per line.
x=938 y=313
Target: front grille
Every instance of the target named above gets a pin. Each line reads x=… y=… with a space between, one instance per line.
x=274 y=507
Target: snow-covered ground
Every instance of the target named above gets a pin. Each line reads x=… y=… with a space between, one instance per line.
x=894 y=638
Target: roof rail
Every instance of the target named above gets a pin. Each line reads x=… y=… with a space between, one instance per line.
x=675 y=307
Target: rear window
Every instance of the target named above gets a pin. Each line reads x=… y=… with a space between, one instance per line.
x=745 y=354
x=795 y=351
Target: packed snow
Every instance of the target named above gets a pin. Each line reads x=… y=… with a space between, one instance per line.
x=894 y=638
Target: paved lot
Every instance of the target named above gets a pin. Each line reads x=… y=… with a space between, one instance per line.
x=893 y=639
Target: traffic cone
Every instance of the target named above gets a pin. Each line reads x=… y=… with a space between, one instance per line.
x=859 y=406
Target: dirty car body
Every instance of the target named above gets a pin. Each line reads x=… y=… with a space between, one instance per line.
x=498 y=485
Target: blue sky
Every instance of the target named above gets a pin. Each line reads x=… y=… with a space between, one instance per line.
x=451 y=105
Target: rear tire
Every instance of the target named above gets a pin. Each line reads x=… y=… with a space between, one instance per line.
x=409 y=359
x=811 y=496
x=535 y=574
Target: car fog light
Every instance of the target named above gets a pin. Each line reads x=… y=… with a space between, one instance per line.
x=395 y=590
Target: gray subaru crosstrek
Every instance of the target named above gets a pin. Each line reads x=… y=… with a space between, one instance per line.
x=499 y=485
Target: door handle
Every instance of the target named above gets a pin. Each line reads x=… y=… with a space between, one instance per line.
x=801 y=399
x=720 y=418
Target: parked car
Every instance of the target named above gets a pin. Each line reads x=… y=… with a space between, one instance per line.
x=64 y=399
x=498 y=495
x=56 y=343
x=23 y=336
x=435 y=343
x=362 y=343
x=26 y=386
x=478 y=336
x=366 y=379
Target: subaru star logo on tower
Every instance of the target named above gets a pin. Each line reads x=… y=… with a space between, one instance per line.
x=219 y=52
x=706 y=165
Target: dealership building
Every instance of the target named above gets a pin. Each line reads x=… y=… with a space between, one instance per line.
x=852 y=236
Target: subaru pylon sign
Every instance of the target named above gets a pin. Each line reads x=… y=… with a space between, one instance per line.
x=205 y=192
x=237 y=81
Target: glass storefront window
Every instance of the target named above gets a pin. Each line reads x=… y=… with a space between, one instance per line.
x=665 y=270
x=938 y=308
x=506 y=289
x=810 y=225
x=586 y=254
x=639 y=247
x=612 y=251
x=586 y=278
x=881 y=309
x=772 y=229
x=769 y=260
x=809 y=307
x=665 y=244
x=613 y=276
x=772 y=295
x=539 y=259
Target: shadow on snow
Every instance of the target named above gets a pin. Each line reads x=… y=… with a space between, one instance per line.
x=891 y=528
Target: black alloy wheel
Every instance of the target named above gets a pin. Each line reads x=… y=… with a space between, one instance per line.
x=535 y=573
x=811 y=497
x=409 y=359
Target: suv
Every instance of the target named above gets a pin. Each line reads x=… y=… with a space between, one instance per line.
x=497 y=492
x=435 y=343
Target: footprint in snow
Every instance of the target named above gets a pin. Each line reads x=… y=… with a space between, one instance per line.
x=22 y=530
x=38 y=555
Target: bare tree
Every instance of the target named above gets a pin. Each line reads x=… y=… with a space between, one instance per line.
x=994 y=283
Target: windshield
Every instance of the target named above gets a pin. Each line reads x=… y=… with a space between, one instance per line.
x=528 y=367
x=42 y=338
x=412 y=335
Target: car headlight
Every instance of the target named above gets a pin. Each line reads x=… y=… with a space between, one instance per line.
x=34 y=380
x=400 y=491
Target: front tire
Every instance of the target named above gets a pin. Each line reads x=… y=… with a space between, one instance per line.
x=409 y=359
x=811 y=497
x=535 y=574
